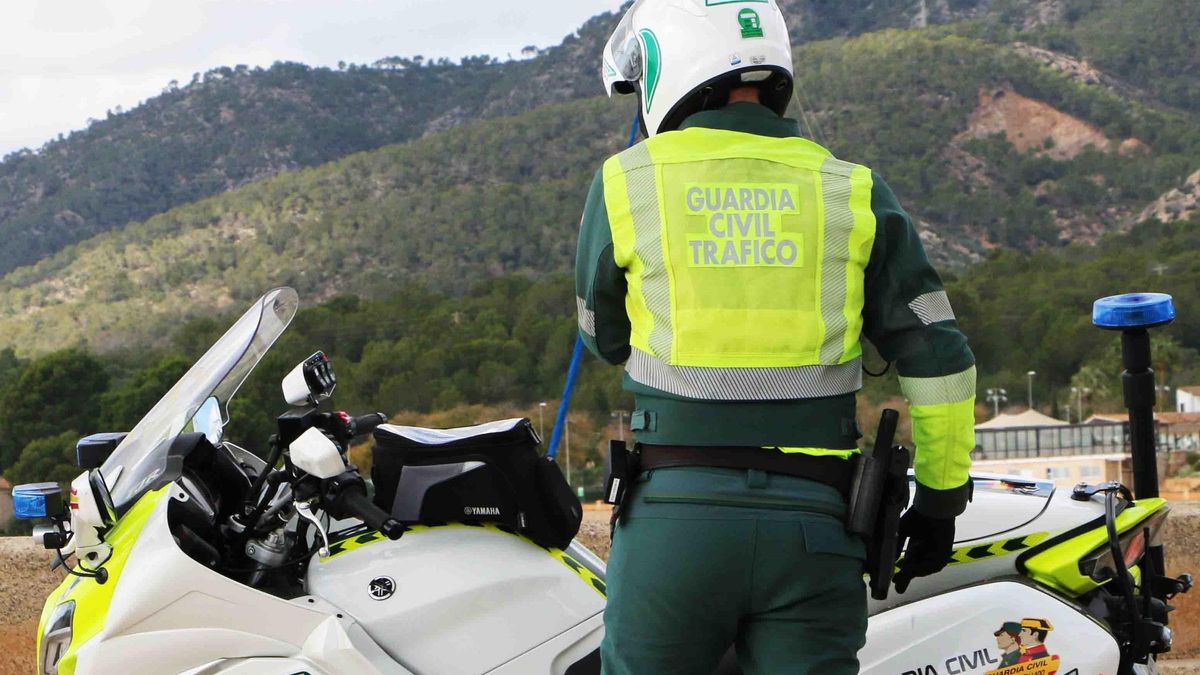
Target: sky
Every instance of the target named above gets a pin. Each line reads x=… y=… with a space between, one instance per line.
x=64 y=61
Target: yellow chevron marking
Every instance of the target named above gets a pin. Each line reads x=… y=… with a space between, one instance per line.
x=996 y=549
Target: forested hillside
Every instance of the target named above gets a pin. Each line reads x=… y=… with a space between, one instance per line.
x=234 y=125
x=428 y=213
x=507 y=342
x=504 y=196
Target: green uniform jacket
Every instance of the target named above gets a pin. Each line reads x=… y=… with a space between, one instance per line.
x=906 y=316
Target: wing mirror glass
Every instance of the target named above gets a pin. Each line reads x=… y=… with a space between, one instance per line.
x=208 y=420
x=93 y=451
x=310 y=382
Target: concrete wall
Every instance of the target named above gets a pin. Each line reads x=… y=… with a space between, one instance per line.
x=6 y=507
x=1066 y=472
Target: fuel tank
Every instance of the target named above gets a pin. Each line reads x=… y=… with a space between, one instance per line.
x=462 y=598
x=1001 y=628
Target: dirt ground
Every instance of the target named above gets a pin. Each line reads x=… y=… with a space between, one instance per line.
x=26 y=579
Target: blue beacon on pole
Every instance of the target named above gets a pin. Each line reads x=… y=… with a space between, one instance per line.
x=1133 y=311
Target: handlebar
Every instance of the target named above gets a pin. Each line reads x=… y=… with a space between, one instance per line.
x=353 y=501
x=361 y=426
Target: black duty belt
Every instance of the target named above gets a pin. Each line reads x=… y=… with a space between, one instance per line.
x=833 y=471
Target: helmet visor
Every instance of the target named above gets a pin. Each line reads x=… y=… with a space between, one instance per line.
x=623 y=56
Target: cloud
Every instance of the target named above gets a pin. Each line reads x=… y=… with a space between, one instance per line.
x=63 y=61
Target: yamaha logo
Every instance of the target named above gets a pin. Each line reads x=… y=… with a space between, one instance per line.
x=481 y=511
x=382 y=588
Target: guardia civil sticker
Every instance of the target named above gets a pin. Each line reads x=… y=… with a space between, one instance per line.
x=1023 y=648
x=751 y=24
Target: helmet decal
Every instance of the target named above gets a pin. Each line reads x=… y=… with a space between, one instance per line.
x=653 y=66
x=751 y=24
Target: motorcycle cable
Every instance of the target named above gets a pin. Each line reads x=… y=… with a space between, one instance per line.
x=564 y=406
x=100 y=575
x=1121 y=576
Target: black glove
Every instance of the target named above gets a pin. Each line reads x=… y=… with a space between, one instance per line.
x=930 y=544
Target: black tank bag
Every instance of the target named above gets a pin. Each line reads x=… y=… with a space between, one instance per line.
x=490 y=473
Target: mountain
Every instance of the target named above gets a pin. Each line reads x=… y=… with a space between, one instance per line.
x=233 y=126
x=987 y=145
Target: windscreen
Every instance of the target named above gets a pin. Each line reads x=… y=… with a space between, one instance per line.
x=141 y=459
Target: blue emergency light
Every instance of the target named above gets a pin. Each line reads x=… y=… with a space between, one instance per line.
x=37 y=500
x=1133 y=311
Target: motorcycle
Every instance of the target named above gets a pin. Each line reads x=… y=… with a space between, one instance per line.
x=194 y=555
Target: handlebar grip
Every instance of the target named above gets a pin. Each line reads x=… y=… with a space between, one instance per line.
x=356 y=503
x=361 y=426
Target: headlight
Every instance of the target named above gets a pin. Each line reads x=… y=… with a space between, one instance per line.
x=56 y=639
x=1100 y=565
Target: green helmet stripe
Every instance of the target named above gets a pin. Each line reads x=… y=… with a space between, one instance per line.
x=653 y=66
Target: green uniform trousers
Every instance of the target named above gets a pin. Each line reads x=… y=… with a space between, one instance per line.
x=705 y=558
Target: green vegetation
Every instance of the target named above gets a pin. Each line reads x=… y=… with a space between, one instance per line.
x=442 y=262
x=1034 y=312
x=507 y=343
x=503 y=196
x=1152 y=44
x=232 y=126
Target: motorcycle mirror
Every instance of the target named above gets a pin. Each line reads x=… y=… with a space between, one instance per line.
x=314 y=454
x=91 y=452
x=310 y=382
x=208 y=420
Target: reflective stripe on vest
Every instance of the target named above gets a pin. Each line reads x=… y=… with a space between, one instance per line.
x=745 y=259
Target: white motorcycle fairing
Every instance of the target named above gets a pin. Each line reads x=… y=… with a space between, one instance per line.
x=186 y=618
x=955 y=634
x=474 y=591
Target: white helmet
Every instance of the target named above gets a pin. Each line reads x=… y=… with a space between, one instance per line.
x=684 y=56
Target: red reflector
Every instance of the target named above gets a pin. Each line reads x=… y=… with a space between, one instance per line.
x=1136 y=549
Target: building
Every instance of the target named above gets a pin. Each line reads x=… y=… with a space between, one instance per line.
x=6 y=503
x=1036 y=446
x=1187 y=400
x=1033 y=435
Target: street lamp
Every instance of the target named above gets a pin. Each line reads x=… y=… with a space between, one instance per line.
x=542 y=419
x=1031 y=374
x=1079 y=393
x=996 y=397
x=619 y=415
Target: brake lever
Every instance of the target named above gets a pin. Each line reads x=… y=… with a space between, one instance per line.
x=305 y=511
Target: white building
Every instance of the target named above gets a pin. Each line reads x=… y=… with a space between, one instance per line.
x=1187 y=400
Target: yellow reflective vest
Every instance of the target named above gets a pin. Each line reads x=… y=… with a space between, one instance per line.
x=734 y=267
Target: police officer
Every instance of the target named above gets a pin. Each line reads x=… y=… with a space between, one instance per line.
x=733 y=267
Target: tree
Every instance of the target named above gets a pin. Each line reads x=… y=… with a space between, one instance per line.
x=57 y=391
x=50 y=459
x=126 y=403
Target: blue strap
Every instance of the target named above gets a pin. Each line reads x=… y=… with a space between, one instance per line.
x=564 y=406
